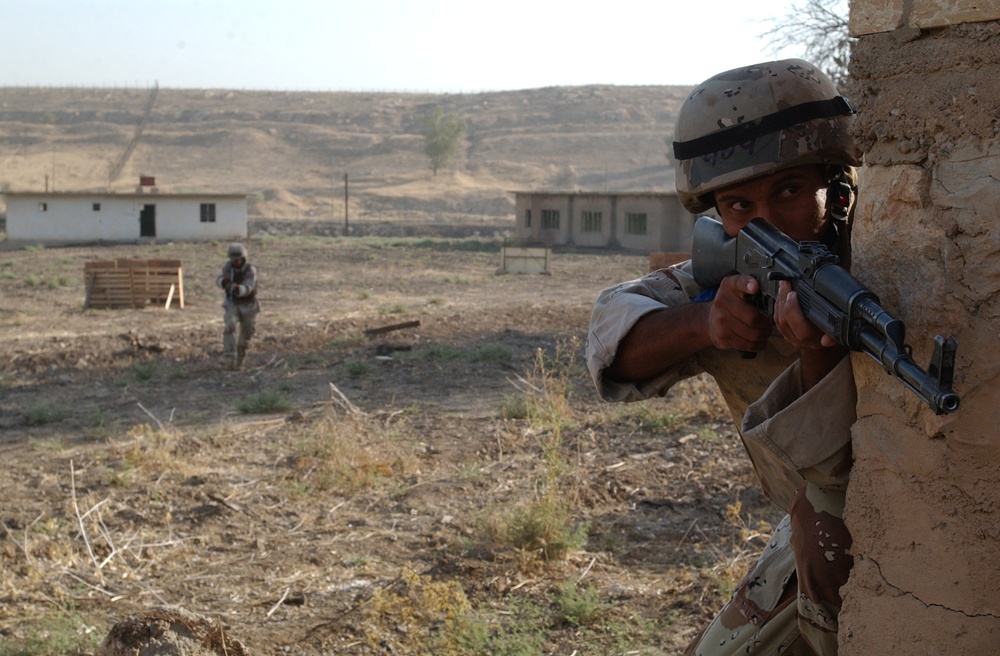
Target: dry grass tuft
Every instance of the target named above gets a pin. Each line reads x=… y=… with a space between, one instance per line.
x=416 y=615
x=343 y=454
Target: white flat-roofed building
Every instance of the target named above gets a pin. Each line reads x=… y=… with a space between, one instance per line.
x=86 y=216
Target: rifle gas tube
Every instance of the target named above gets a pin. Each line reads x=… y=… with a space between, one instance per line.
x=829 y=297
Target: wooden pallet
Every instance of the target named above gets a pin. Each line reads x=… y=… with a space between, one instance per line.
x=133 y=284
x=661 y=260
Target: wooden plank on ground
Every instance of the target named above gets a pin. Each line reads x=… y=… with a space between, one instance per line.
x=388 y=329
x=180 y=285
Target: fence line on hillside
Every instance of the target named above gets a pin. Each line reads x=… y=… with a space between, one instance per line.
x=116 y=170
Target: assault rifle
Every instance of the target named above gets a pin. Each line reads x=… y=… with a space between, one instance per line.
x=227 y=286
x=829 y=297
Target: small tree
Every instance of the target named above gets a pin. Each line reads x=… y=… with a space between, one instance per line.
x=443 y=134
x=820 y=28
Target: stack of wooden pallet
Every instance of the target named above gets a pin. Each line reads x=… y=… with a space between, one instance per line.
x=126 y=283
x=661 y=260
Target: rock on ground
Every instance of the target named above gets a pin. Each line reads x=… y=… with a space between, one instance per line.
x=169 y=632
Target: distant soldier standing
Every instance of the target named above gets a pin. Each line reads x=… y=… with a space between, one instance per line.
x=239 y=281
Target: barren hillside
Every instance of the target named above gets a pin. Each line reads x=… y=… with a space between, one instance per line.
x=289 y=151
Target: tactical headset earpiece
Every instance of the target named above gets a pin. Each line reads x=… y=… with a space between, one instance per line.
x=838 y=199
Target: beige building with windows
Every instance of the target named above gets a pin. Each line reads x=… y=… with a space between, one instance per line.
x=645 y=222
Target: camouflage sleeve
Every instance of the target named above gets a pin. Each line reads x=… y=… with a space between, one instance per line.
x=617 y=309
x=249 y=282
x=808 y=432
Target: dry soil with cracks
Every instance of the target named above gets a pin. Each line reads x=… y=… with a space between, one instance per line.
x=136 y=475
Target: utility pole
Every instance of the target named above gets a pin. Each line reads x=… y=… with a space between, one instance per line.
x=347 y=228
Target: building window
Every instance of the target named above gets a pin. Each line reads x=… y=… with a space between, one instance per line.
x=527 y=218
x=550 y=219
x=635 y=223
x=43 y=207
x=96 y=207
x=208 y=212
x=591 y=221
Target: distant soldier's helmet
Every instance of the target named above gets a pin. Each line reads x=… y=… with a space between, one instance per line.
x=237 y=250
x=756 y=120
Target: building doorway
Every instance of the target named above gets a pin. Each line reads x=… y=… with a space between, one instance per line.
x=147 y=221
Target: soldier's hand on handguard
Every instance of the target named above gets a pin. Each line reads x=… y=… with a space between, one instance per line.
x=818 y=352
x=793 y=325
x=733 y=323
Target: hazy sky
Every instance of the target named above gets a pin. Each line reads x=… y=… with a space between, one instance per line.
x=380 y=45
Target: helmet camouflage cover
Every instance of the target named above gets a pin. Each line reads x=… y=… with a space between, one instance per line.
x=756 y=120
x=237 y=250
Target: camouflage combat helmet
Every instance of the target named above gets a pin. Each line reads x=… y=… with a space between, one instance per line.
x=756 y=120
x=236 y=250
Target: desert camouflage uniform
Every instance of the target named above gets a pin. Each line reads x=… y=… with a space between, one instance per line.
x=241 y=309
x=799 y=444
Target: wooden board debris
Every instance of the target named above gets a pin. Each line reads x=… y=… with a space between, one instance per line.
x=388 y=329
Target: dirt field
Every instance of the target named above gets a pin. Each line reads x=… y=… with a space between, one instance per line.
x=454 y=487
